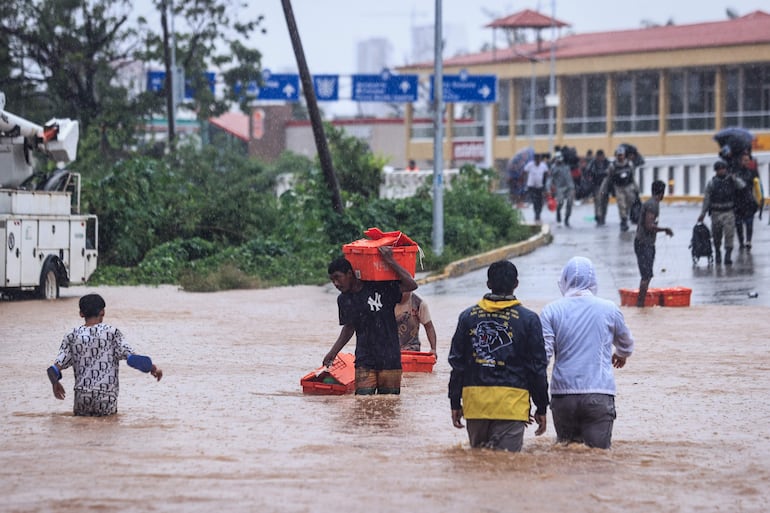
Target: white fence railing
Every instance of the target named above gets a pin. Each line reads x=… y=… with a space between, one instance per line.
x=404 y=184
x=686 y=176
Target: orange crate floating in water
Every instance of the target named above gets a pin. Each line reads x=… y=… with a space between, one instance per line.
x=417 y=361
x=368 y=265
x=676 y=296
x=628 y=297
x=339 y=379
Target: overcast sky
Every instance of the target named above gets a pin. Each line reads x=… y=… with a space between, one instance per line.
x=330 y=29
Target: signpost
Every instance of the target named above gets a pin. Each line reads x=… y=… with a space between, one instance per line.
x=285 y=87
x=466 y=88
x=327 y=87
x=156 y=81
x=385 y=87
x=277 y=86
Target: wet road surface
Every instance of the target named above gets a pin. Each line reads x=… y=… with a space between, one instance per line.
x=613 y=255
x=228 y=428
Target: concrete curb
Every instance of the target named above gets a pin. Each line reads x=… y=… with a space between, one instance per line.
x=460 y=267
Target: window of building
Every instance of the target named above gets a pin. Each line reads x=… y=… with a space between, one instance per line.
x=636 y=102
x=691 y=101
x=503 y=108
x=468 y=121
x=540 y=112
x=585 y=105
x=748 y=97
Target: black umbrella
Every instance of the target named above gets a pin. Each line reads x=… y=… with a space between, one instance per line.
x=518 y=161
x=638 y=160
x=736 y=139
x=630 y=148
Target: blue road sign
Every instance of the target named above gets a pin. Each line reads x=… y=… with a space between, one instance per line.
x=189 y=92
x=465 y=88
x=327 y=87
x=277 y=86
x=156 y=81
x=385 y=87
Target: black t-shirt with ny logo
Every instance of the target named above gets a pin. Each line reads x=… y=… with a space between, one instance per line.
x=371 y=312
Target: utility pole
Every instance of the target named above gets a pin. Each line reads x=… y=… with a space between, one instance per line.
x=438 y=135
x=169 y=65
x=324 y=156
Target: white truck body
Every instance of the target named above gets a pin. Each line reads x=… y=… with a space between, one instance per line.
x=47 y=243
x=40 y=238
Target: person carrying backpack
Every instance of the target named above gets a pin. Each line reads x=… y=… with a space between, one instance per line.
x=719 y=203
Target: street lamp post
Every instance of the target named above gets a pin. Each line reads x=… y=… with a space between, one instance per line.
x=532 y=90
x=552 y=79
x=438 y=136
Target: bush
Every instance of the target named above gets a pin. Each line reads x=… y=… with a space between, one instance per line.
x=210 y=220
x=227 y=277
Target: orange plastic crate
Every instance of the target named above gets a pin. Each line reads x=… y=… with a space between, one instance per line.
x=417 y=361
x=339 y=379
x=676 y=296
x=628 y=297
x=368 y=265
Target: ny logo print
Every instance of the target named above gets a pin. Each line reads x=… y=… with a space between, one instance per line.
x=375 y=303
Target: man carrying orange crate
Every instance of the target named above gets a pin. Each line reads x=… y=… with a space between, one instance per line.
x=366 y=308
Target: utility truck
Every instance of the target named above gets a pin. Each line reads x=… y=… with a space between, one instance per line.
x=47 y=242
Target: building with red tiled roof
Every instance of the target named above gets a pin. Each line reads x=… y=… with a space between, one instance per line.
x=665 y=89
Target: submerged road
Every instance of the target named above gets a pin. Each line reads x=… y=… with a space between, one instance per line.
x=745 y=283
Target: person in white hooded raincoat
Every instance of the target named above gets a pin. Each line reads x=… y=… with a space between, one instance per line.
x=580 y=331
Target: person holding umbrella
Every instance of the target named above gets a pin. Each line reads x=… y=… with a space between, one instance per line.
x=733 y=142
x=517 y=178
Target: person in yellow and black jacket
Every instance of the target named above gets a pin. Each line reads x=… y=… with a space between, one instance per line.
x=498 y=362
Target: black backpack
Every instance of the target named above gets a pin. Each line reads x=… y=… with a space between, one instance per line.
x=700 y=243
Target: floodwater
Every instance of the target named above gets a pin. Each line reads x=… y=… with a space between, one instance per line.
x=228 y=428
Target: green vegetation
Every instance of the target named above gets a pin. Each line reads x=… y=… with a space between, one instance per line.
x=210 y=220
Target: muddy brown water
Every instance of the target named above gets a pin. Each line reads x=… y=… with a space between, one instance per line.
x=229 y=429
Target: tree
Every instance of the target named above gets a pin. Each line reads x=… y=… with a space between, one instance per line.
x=71 y=54
x=208 y=34
x=69 y=62
x=10 y=81
x=358 y=169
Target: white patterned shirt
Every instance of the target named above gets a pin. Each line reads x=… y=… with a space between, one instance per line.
x=93 y=352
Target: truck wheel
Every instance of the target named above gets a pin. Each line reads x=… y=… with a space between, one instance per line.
x=49 y=284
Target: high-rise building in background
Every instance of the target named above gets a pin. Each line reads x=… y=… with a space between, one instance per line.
x=372 y=56
x=375 y=54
